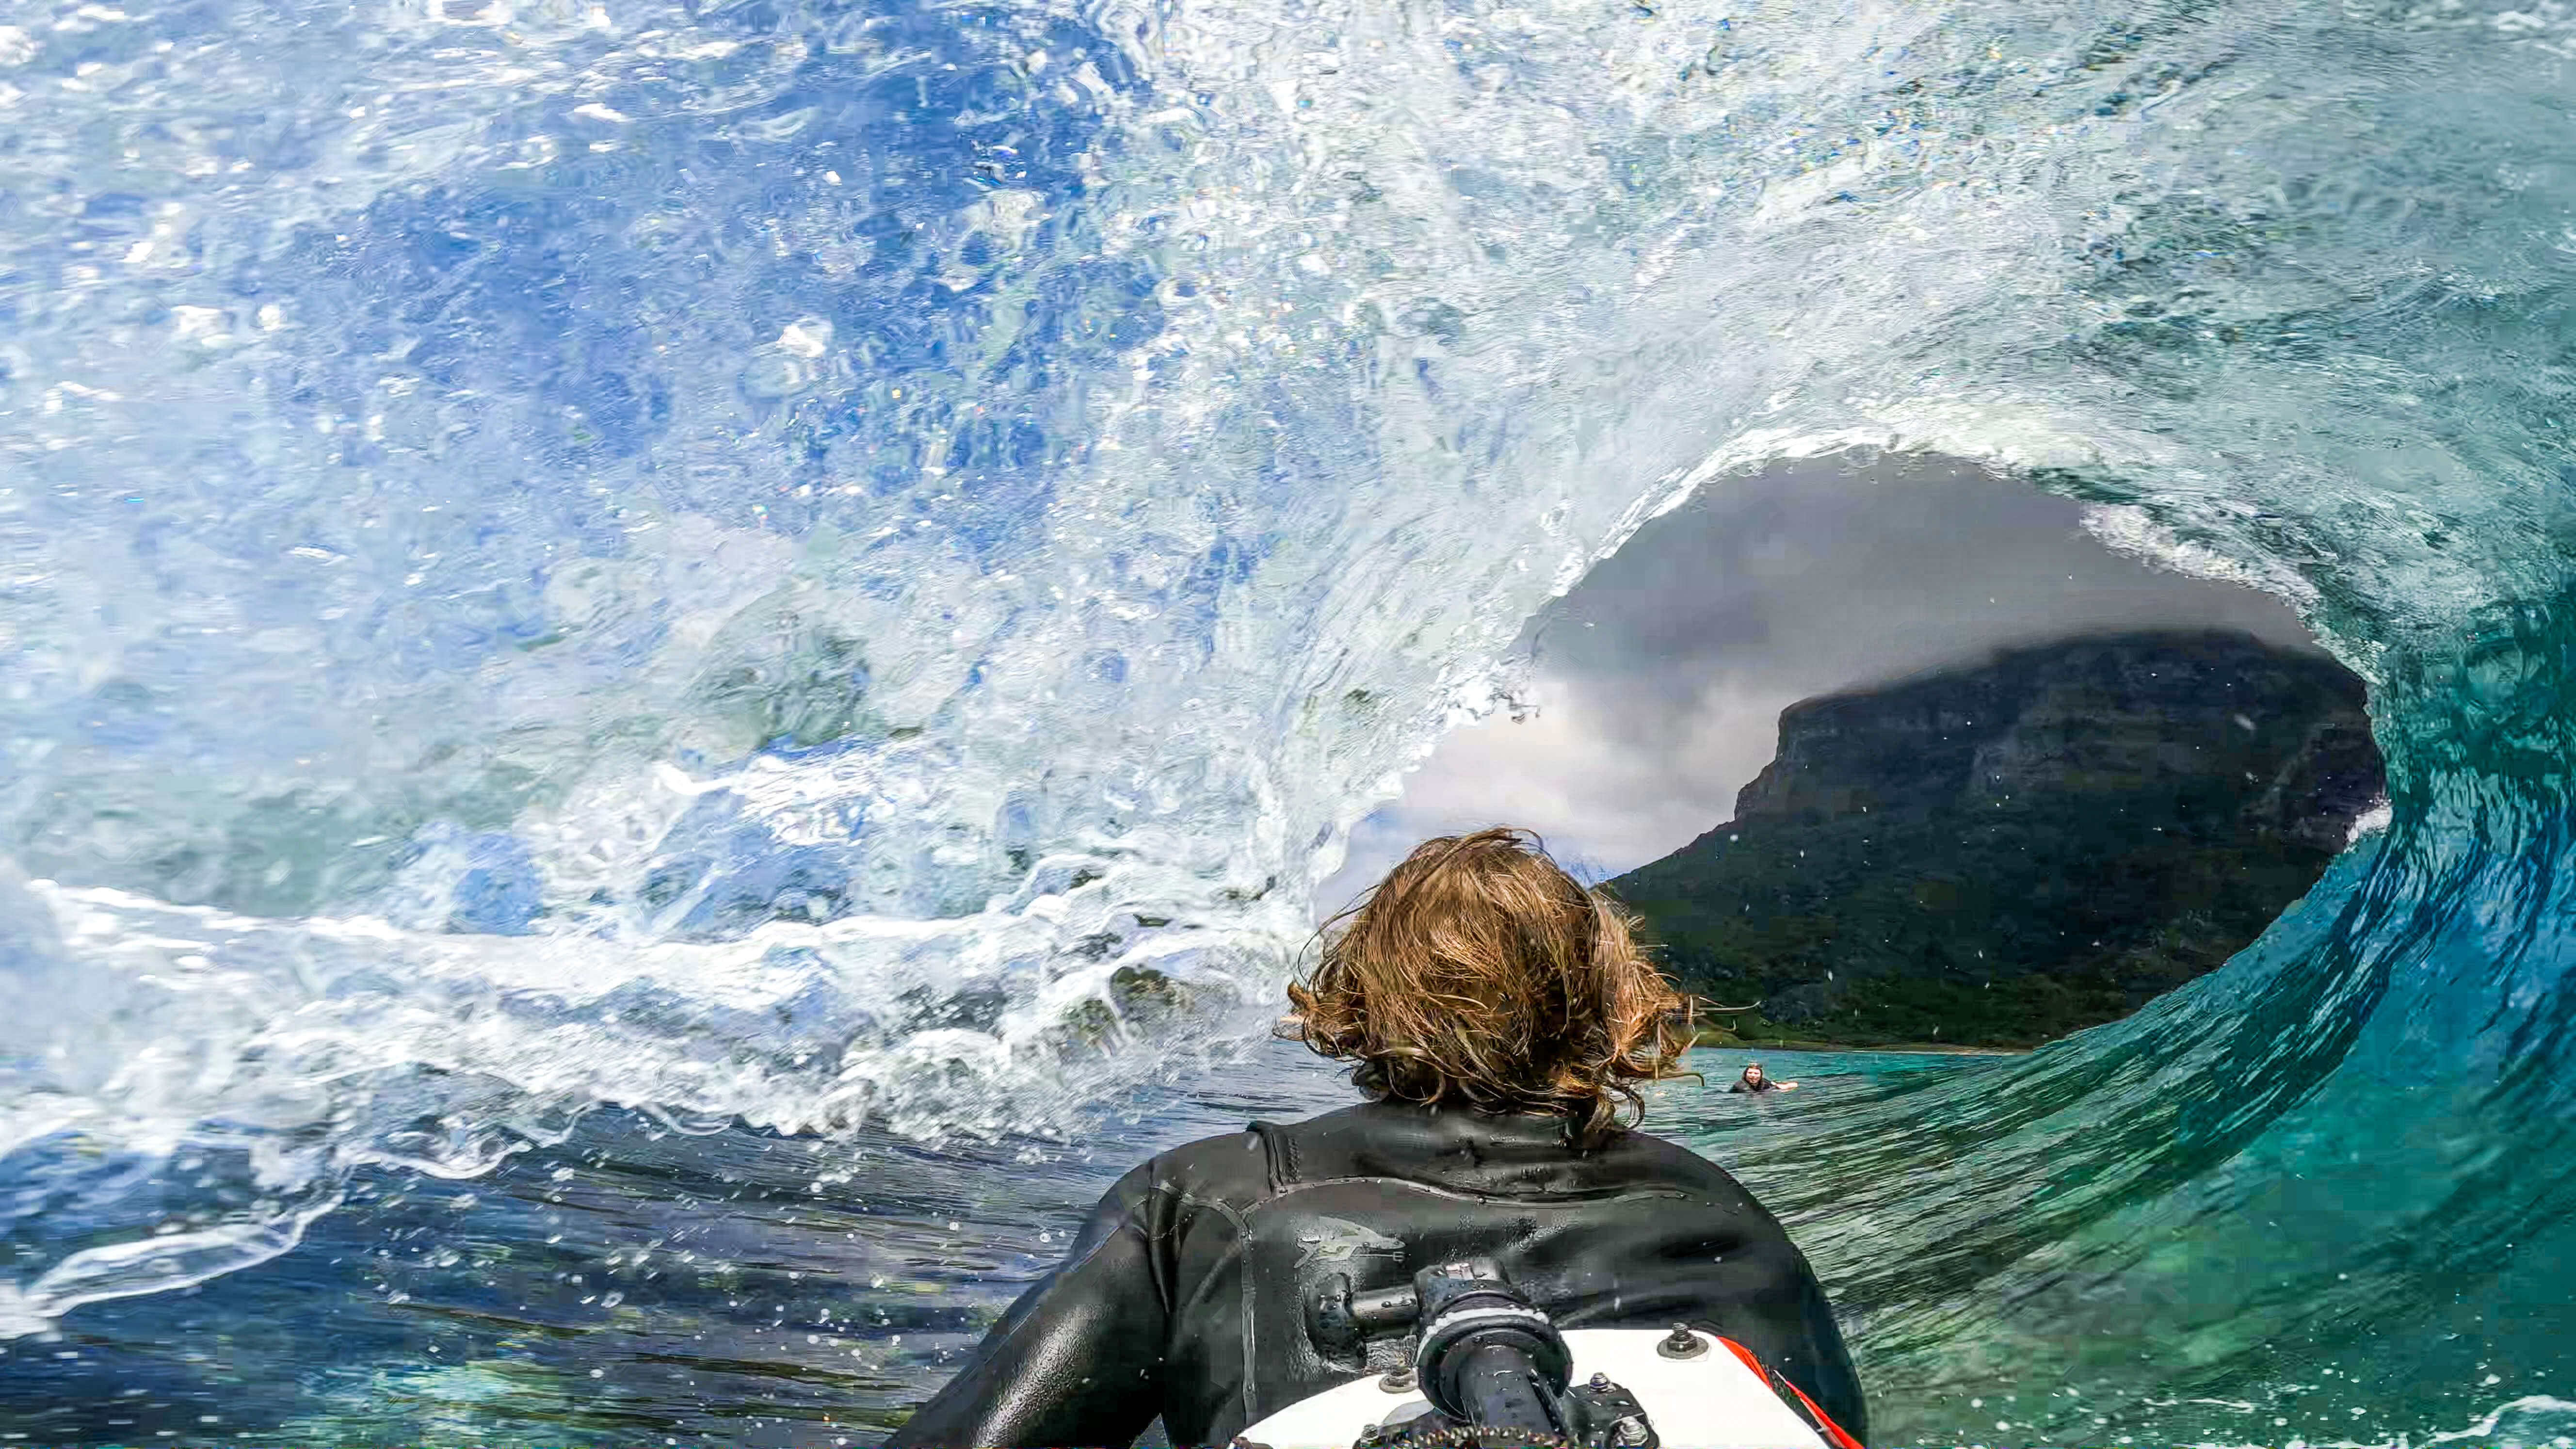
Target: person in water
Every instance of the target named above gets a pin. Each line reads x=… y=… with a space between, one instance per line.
x=1754 y=1081
x=1500 y=1019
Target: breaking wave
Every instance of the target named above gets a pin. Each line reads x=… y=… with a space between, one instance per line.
x=809 y=565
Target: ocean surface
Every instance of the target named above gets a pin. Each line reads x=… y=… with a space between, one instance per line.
x=693 y=639
x=634 y=1285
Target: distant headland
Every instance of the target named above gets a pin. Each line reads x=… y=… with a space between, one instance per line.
x=1995 y=855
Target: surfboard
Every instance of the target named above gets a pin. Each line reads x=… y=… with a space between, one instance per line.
x=1720 y=1397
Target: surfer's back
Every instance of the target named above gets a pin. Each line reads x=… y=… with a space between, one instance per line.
x=1635 y=1232
x=1501 y=1019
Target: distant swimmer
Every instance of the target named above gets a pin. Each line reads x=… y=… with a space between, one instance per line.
x=1754 y=1081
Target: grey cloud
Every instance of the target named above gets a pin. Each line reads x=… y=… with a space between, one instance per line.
x=1661 y=677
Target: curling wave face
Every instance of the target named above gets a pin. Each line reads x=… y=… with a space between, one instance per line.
x=800 y=564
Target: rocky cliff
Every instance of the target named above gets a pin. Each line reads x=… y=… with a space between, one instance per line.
x=1999 y=854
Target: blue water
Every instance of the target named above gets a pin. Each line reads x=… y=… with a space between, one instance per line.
x=789 y=574
x=732 y=1288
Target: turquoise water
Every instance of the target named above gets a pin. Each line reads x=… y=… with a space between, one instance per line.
x=823 y=580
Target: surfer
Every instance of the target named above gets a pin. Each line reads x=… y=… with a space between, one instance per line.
x=1754 y=1081
x=1500 y=1019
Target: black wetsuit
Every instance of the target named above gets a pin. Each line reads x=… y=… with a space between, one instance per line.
x=1764 y=1085
x=1185 y=1293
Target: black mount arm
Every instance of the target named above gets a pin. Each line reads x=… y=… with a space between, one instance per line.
x=1493 y=1365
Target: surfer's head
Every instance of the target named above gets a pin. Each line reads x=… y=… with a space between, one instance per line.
x=1753 y=1073
x=1480 y=973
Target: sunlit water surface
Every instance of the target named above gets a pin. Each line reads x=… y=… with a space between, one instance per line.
x=638 y=1285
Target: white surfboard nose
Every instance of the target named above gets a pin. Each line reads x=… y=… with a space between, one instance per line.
x=1709 y=1400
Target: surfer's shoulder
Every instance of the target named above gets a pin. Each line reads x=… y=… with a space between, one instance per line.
x=1238 y=1168
x=1640 y=1156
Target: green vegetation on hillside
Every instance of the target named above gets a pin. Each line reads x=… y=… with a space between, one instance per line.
x=2146 y=834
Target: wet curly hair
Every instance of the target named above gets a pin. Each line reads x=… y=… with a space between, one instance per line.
x=1480 y=973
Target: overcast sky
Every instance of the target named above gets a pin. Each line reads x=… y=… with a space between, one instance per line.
x=1660 y=680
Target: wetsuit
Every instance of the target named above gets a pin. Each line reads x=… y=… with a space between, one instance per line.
x=1185 y=1293
x=1765 y=1085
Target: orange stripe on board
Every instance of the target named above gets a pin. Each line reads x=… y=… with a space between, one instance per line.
x=1840 y=1438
